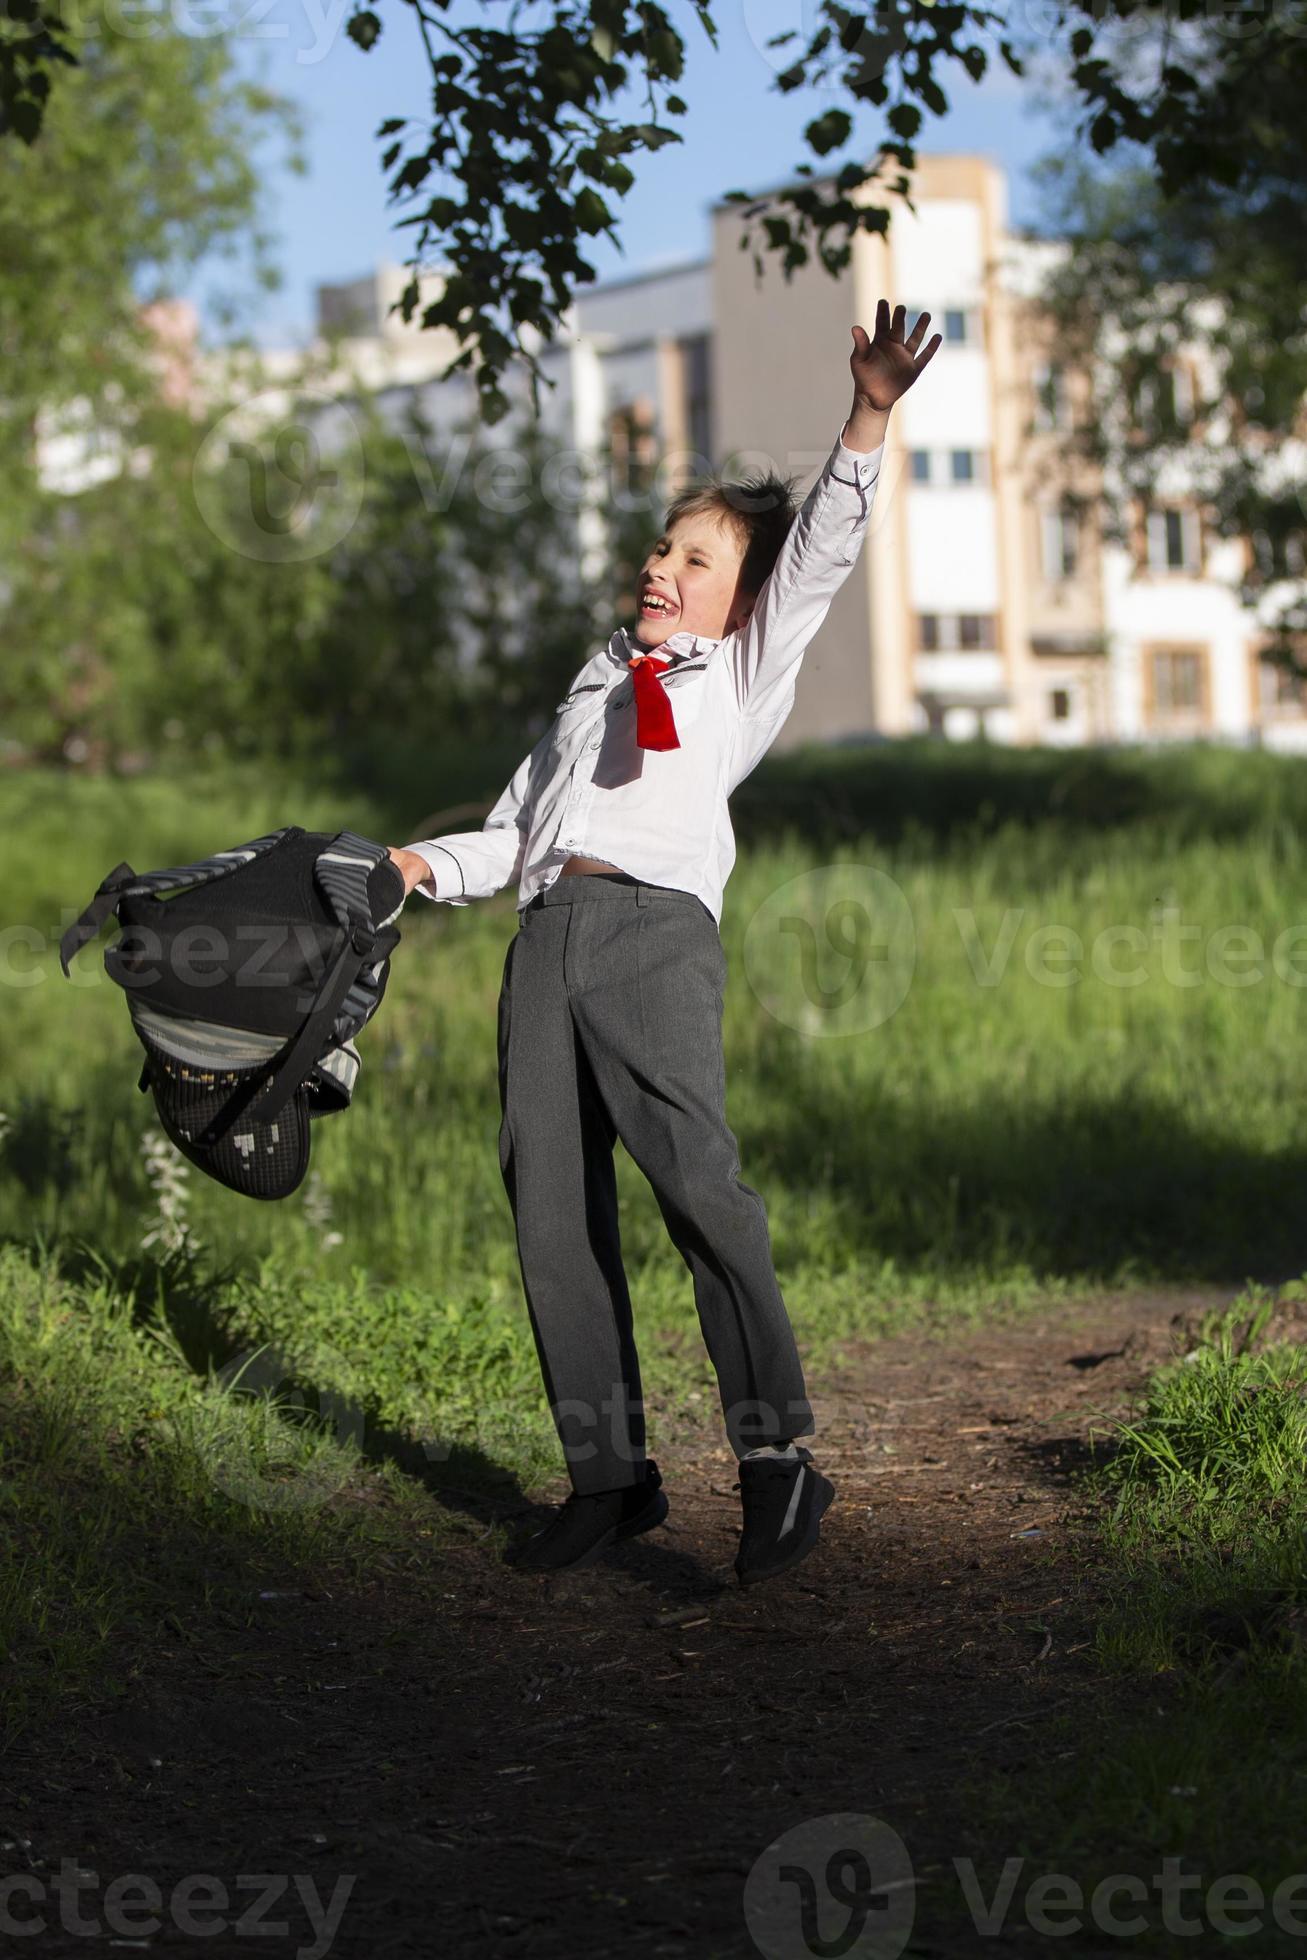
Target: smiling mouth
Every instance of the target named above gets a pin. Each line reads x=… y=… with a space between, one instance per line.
x=653 y=607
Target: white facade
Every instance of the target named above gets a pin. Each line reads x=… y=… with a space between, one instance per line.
x=991 y=633
x=981 y=605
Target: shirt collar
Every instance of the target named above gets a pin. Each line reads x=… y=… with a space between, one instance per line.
x=681 y=646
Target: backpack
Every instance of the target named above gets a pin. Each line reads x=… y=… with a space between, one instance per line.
x=247 y=976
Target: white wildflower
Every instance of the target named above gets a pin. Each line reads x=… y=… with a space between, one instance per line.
x=167 y=1171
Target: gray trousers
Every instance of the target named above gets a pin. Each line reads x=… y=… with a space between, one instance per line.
x=610 y=1025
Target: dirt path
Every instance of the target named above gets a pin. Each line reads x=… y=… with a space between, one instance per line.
x=589 y=1765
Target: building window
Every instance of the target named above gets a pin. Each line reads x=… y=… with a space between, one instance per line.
x=1173 y=544
x=1060 y=538
x=959 y=325
x=976 y=631
x=1052 y=405
x=963 y=466
x=956 y=632
x=1059 y=704
x=1281 y=687
x=1271 y=562
x=1177 y=675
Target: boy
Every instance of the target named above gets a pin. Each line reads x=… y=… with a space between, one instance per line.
x=616 y=828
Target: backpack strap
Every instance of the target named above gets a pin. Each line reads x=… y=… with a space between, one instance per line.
x=122 y=880
x=108 y=892
x=151 y=883
x=342 y=871
x=295 y=1061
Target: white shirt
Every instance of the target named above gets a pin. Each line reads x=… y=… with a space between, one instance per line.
x=662 y=815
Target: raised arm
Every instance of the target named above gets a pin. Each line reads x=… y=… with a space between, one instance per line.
x=824 y=540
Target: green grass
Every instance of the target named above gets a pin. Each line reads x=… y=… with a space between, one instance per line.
x=1198 y=1535
x=999 y=1132
x=998 y=1139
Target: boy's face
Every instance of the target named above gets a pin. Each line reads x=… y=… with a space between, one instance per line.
x=690 y=583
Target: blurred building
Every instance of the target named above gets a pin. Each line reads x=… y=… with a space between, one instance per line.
x=985 y=601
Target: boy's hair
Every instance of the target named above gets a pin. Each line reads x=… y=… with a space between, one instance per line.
x=759 y=510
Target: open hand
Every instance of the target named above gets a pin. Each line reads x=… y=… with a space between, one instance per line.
x=886 y=367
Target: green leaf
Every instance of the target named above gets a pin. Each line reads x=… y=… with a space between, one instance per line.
x=590 y=211
x=364 y=29
x=25 y=120
x=524 y=227
x=853 y=28
x=1102 y=131
x=457 y=296
x=653 y=136
x=706 y=22
x=413 y=173
x=905 y=119
x=829 y=131
x=664 y=53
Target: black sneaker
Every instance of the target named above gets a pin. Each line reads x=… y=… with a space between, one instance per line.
x=783 y=1499
x=586 y=1526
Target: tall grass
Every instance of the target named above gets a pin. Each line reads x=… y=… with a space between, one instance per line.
x=1022 y=1120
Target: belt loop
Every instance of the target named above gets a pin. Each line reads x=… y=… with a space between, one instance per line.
x=643 y=896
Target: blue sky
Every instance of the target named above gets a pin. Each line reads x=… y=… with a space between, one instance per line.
x=335 y=223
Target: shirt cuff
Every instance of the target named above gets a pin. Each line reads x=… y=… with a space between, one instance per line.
x=856 y=465
x=435 y=855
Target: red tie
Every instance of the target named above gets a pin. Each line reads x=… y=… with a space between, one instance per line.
x=655 y=727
